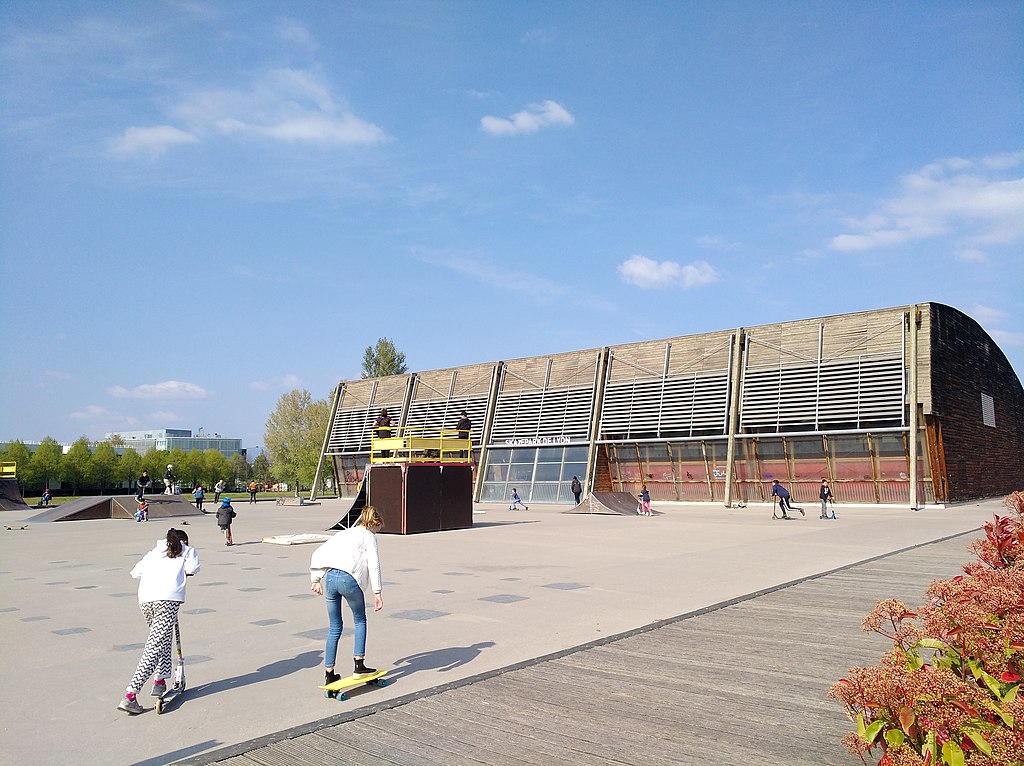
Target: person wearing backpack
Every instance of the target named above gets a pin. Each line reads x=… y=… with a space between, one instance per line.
x=576 y=488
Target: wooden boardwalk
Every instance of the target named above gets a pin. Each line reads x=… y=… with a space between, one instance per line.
x=742 y=684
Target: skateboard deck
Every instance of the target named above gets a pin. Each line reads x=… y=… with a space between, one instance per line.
x=339 y=687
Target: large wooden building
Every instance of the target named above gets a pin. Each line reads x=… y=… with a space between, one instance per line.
x=909 y=405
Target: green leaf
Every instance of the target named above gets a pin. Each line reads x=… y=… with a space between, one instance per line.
x=992 y=684
x=872 y=732
x=895 y=737
x=952 y=754
x=979 y=741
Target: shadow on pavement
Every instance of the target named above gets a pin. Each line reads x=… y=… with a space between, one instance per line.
x=277 y=669
x=176 y=755
x=441 y=660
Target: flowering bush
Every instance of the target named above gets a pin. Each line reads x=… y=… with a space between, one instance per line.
x=947 y=691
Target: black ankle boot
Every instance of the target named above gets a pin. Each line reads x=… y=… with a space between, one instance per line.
x=362 y=670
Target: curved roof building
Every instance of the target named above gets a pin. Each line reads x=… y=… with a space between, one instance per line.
x=910 y=405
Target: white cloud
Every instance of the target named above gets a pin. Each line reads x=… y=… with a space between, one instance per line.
x=530 y=120
x=169 y=389
x=287 y=105
x=650 y=274
x=506 y=280
x=1007 y=338
x=965 y=199
x=149 y=141
x=717 y=243
x=987 y=314
x=164 y=417
x=287 y=381
x=296 y=32
x=970 y=255
x=92 y=412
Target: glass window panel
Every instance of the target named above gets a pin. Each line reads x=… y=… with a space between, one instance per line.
x=851 y=459
x=808 y=459
x=655 y=453
x=549 y=455
x=812 y=447
x=578 y=470
x=545 y=492
x=575 y=454
x=770 y=449
x=527 y=455
x=890 y=445
x=499 y=456
x=688 y=451
x=493 y=493
x=629 y=472
x=547 y=472
x=496 y=473
x=520 y=473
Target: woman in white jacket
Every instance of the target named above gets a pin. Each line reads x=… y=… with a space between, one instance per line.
x=342 y=568
x=161 y=575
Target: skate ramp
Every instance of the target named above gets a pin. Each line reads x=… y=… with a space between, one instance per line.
x=10 y=496
x=110 y=507
x=352 y=516
x=610 y=504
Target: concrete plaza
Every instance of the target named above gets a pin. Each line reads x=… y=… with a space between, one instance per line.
x=517 y=586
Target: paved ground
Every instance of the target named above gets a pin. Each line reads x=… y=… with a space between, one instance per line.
x=518 y=586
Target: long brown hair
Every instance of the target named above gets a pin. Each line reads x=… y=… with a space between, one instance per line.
x=173 y=543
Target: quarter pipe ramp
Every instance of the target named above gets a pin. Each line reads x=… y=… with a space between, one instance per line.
x=609 y=503
x=10 y=496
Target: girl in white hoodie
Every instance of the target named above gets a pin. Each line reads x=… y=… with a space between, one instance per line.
x=161 y=575
x=342 y=568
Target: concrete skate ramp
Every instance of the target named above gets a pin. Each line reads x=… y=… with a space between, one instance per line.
x=110 y=507
x=609 y=503
x=10 y=496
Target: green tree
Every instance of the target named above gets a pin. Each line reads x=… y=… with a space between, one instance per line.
x=17 y=452
x=240 y=471
x=46 y=460
x=130 y=466
x=216 y=467
x=383 y=359
x=261 y=470
x=103 y=467
x=155 y=461
x=294 y=436
x=76 y=464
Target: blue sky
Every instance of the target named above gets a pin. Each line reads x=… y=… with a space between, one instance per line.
x=207 y=204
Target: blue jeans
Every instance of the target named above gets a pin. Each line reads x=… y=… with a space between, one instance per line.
x=338 y=585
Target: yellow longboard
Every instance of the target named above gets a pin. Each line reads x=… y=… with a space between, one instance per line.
x=338 y=687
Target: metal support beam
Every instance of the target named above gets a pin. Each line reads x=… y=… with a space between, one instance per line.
x=914 y=322
x=735 y=364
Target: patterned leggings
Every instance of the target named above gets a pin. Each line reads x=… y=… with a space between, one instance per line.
x=161 y=616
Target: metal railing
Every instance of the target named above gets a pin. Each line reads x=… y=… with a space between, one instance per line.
x=419 y=445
